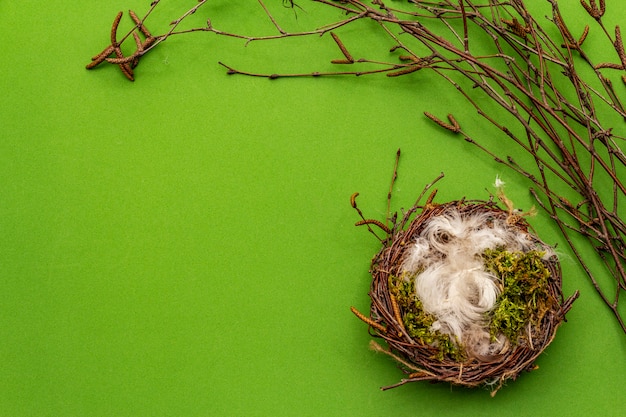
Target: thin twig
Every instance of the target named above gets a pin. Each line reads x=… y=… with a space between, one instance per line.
x=532 y=75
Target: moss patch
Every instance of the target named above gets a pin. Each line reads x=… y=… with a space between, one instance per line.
x=417 y=322
x=525 y=297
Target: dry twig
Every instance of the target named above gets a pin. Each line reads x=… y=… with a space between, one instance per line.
x=534 y=73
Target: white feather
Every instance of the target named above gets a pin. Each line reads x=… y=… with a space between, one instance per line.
x=498 y=183
x=450 y=279
x=418 y=254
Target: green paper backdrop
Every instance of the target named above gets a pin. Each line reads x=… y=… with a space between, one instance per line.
x=184 y=245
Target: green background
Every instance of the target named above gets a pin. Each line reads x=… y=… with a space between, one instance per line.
x=184 y=245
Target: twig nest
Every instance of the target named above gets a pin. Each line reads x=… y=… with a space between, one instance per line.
x=465 y=293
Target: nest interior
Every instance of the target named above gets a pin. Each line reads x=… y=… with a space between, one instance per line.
x=440 y=355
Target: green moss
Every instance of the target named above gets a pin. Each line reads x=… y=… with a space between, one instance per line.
x=417 y=322
x=525 y=297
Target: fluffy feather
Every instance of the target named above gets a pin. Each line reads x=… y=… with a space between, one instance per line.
x=450 y=280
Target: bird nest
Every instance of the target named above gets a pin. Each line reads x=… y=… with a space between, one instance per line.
x=463 y=293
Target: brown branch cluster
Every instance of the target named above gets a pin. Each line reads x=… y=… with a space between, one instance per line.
x=113 y=53
x=537 y=74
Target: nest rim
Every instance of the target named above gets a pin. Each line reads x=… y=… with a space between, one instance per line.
x=417 y=359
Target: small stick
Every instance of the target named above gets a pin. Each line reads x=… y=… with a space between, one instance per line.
x=619 y=46
x=429 y=201
x=406 y=70
x=344 y=51
x=101 y=57
x=353 y=200
x=116 y=23
x=394 y=177
x=139 y=24
x=122 y=60
x=454 y=127
x=378 y=223
x=378 y=348
x=396 y=313
x=368 y=320
x=358 y=210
